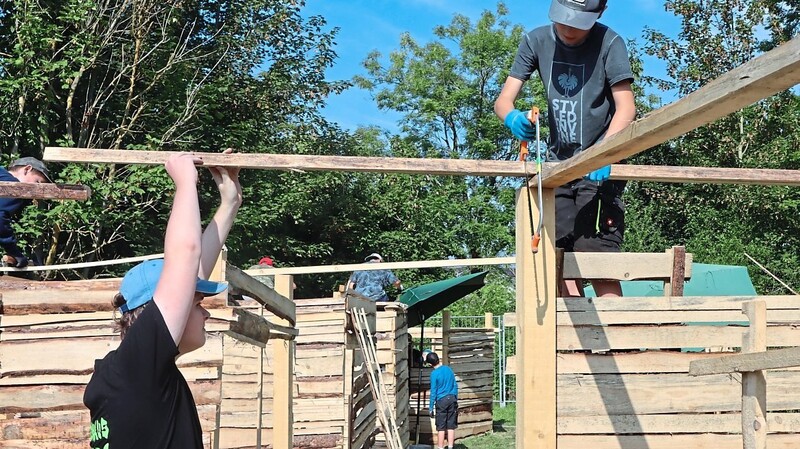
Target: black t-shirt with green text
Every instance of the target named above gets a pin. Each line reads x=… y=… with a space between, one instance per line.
x=137 y=397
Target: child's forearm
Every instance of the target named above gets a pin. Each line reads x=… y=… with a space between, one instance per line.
x=182 y=238
x=214 y=237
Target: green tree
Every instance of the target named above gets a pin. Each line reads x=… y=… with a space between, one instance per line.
x=145 y=74
x=445 y=91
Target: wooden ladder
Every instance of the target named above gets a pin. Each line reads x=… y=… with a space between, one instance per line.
x=377 y=387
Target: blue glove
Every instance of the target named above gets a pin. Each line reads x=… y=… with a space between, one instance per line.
x=520 y=126
x=599 y=175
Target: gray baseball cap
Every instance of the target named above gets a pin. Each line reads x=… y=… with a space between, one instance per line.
x=36 y=164
x=580 y=14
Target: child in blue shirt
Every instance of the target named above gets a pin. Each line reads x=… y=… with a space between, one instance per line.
x=444 y=396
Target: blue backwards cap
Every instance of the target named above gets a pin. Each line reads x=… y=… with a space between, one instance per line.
x=139 y=284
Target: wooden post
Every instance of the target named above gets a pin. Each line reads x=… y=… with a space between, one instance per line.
x=283 y=377
x=349 y=415
x=218 y=275
x=754 y=383
x=445 y=337
x=488 y=320
x=674 y=287
x=536 y=325
x=218 y=272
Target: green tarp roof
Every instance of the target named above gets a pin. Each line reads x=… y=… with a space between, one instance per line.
x=427 y=300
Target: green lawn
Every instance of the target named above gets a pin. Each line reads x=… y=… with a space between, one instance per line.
x=503 y=435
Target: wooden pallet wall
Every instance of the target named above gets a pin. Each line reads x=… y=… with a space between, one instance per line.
x=623 y=367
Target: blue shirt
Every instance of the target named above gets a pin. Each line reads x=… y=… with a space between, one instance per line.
x=8 y=211
x=443 y=383
x=372 y=283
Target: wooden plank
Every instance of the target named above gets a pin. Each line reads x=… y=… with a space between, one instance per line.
x=705 y=175
x=768 y=74
x=78 y=265
x=747 y=362
x=630 y=303
x=44 y=191
x=536 y=333
x=251 y=326
x=42 y=398
x=275 y=303
x=283 y=372
x=621 y=266
x=78 y=355
x=446 y=337
x=342 y=268
x=54 y=300
x=674 y=285
x=429 y=166
x=704 y=441
x=611 y=394
x=630 y=362
x=671 y=423
x=654 y=317
x=598 y=318
x=754 y=383
x=16 y=284
x=597 y=338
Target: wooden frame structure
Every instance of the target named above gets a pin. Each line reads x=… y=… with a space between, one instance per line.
x=757 y=79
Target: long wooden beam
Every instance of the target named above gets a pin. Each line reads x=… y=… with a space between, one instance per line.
x=297 y=162
x=705 y=175
x=318 y=269
x=454 y=167
x=78 y=265
x=742 y=363
x=768 y=74
x=44 y=191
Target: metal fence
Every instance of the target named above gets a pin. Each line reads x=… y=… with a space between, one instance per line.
x=504 y=345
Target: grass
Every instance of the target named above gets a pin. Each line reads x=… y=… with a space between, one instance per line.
x=503 y=436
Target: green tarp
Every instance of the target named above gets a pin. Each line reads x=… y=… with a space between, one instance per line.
x=427 y=300
x=707 y=280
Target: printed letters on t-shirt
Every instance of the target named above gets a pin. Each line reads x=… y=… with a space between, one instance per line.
x=567 y=80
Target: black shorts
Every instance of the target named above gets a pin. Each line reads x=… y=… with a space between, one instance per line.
x=447 y=413
x=578 y=227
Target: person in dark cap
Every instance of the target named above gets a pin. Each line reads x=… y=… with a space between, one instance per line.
x=137 y=397
x=26 y=169
x=372 y=283
x=586 y=72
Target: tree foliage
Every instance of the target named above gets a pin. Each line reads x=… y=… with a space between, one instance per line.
x=720 y=223
x=144 y=74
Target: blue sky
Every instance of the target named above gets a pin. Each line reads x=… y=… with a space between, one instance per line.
x=378 y=24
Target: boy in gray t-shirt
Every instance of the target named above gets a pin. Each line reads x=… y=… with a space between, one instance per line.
x=587 y=76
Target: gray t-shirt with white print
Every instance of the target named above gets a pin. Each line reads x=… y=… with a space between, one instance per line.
x=577 y=81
